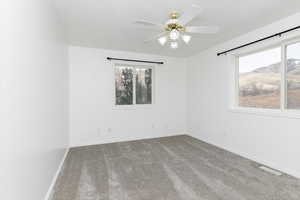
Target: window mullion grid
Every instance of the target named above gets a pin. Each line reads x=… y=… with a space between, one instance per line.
x=283 y=92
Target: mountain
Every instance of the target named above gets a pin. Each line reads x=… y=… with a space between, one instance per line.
x=266 y=80
x=292 y=64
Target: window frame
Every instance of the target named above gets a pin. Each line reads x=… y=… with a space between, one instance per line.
x=134 y=66
x=282 y=111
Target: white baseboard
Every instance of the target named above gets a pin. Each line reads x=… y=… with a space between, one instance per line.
x=257 y=159
x=114 y=140
x=48 y=194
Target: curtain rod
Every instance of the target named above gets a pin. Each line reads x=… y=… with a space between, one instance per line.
x=143 y=61
x=262 y=39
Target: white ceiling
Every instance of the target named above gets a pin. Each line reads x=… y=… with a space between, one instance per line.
x=109 y=24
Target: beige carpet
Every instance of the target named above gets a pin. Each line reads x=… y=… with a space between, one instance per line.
x=171 y=168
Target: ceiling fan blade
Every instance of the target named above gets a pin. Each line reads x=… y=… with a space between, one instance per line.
x=149 y=24
x=202 y=29
x=155 y=37
x=190 y=15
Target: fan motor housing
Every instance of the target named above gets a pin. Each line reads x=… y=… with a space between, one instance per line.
x=176 y=26
x=172 y=22
x=174 y=15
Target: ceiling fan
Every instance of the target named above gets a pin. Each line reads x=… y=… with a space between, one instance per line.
x=175 y=28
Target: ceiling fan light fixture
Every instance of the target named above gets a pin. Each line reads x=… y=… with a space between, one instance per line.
x=174 y=45
x=186 y=38
x=176 y=28
x=174 y=34
x=162 y=40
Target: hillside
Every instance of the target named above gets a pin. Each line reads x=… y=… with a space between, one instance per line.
x=263 y=84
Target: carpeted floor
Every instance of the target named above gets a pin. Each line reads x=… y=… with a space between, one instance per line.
x=170 y=168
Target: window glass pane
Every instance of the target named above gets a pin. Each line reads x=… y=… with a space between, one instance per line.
x=293 y=76
x=143 y=86
x=259 y=79
x=124 y=85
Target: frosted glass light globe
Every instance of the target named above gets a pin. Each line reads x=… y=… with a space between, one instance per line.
x=162 y=40
x=174 y=34
x=174 y=45
x=186 y=38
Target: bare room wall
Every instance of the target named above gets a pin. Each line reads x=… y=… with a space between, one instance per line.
x=95 y=119
x=33 y=98
x=266 y=137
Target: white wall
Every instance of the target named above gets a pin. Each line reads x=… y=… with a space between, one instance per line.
x=272 y=140
x=92 y=105
x=33 y=98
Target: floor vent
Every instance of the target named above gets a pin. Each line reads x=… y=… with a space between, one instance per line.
x=271 y=171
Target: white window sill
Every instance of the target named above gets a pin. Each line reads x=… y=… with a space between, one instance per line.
x=294 y=114
x=133 y=107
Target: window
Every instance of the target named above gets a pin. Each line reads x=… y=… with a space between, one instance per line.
x=259 y=79
x=133 y=85
x=293 y=76
x=124 y=85
x=270 y=79
x=143 y=85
